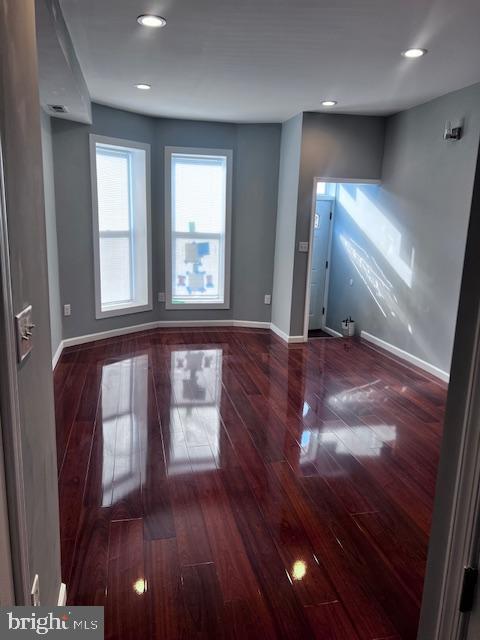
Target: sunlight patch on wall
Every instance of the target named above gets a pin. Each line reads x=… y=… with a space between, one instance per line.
x=379 y=230
x=379 y=287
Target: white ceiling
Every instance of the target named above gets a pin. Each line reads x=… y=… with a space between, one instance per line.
x=265 y=60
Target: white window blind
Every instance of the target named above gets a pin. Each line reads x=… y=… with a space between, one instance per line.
x=114 y=222
x=198 y=206
x=121 y=224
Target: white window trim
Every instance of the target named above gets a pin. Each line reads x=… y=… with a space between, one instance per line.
x=132 y=307
x=228 y=153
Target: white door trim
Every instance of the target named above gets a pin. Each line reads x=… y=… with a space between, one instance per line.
x=329 y=259
x=306 y=310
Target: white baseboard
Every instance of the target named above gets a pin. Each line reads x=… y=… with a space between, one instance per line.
x=408 y=357
x=281 y=334
x=296 y=339
x=112 y=333
x=62 y=595
x=147 y=326
x=253 y=324
x=332 y=332
x=57 y=354
x=284 y=336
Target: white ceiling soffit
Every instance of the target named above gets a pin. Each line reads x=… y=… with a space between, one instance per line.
x=61 y=81
x=266 y=60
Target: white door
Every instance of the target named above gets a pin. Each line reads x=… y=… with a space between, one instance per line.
x=321 y=232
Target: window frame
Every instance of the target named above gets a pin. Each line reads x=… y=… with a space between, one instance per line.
x=129 y=307
x=197 y=151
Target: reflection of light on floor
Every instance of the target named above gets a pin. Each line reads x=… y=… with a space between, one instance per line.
x=378 y=228
x=123 y=423
x=305 y=439
x=299 y=569
x=194 y=415
x=140 y=586
x=360 y=440
x=363 y=393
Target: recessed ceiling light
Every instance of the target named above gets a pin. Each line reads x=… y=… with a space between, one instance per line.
x=143 y=87
x=414 y=53
x=151 y=21
x=329 y=103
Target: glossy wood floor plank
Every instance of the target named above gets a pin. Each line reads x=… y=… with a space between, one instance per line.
x=369 y=619
x=235 y=574
x=66 y=405
x=88 y=579
x=265 y=559
x=167 y=615
x=203 y=601
x=72 y=479
x=400 y=547
x=127 y=589
x=331 y=622
x=191 y=532
x=215 y=483
x=157 y=508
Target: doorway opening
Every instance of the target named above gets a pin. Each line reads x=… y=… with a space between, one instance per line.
x=319 y=255
x=328 y=203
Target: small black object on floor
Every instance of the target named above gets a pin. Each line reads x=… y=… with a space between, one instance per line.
x=318 y=333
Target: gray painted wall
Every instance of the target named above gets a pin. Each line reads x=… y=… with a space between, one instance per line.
x=286 y=220
x=51 y=233
x=255 y=185
x=423 y=204
x=21 y=142
x=458 y=415
x=61 y=79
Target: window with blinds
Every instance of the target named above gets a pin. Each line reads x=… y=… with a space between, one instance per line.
x=198 y=204
x=120 y=187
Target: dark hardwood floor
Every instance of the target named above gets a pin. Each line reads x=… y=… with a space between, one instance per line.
x=218 y=484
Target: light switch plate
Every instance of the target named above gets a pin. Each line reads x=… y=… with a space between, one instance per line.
x=267 y=299
x=161 y=296
x=303 y=247
x=23 y=329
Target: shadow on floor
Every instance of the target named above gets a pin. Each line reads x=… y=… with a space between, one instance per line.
x=318 y=333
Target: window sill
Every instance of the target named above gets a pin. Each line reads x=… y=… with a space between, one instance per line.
x=110 y=312
x=171 y=306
